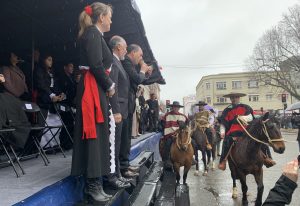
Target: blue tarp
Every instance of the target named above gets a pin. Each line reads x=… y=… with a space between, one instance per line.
x=69 y=190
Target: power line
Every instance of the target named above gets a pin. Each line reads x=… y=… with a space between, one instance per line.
x=208 y=66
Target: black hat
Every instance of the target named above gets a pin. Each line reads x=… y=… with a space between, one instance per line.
x=201 y=103
x=175 y=104
x=234 y=94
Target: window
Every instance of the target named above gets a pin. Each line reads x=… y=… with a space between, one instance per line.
x=221 y=85
x=253 y=98
x=207 y=85
x=236 y=84
x=221 y=100
x=208 y=100
x=252 y=84
x=267 y=81
x=269 y=97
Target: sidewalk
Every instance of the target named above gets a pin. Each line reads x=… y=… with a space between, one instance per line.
x=289 y=130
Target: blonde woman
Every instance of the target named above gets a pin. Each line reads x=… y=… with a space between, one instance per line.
x=91 y=152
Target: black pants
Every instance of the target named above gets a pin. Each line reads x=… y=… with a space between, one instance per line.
x=167 y=149
x=209 y=135
x=125 y=142
x=153 y=118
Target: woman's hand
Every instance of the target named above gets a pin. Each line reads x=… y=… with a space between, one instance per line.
x=290 y=170
x=2 y=79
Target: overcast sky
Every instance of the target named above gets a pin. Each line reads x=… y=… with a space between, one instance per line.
x=194 y=38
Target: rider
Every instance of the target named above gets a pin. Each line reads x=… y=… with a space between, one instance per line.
x=170 y=125
x=231 y=128
x=202 y=119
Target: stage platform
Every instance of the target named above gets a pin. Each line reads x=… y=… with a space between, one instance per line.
x=52 y=185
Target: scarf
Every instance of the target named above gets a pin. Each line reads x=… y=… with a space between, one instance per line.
x=91 y=108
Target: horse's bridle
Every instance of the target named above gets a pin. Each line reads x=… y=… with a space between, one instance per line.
x=270 y=141
x=189 y=140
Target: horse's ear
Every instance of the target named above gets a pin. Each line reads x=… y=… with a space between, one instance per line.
x=266 y=116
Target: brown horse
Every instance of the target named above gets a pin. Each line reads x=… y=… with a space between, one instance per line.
x=182 y=151
x=246 y=156
x=199 y=138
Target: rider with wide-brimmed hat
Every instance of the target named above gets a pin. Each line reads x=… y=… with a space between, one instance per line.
x=170 y=125
x=231 y=128
x=202 y=122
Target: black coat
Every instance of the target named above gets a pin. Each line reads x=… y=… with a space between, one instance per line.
x=119 y=102
x=281 y=194
x=12 y=115
x=67 y=85
x=153 y=107
x=92 y=157
x=135 y=78
x=45 y=84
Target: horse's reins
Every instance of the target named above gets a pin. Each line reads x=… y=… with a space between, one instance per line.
x=270 y=141
x=189 y=140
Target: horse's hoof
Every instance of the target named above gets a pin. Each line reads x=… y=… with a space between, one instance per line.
x=258 y=203
x=196 y=173
x=213 y=166
x=245 y=202
x=205 y=173
x=234 y=193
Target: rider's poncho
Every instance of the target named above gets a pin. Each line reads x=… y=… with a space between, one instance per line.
x=202 y=119
x=229 y=118
x=170 y=122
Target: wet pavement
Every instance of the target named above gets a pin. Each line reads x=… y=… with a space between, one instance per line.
x=216 y=187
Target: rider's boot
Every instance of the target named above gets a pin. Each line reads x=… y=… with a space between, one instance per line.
x=166 y=156
x=268 y=161
x=208 y=138
x=223 y=159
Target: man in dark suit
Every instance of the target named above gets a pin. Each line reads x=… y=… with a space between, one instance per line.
x=119 y=104
x=153 y=112
x=133 y=58
x=67 y=84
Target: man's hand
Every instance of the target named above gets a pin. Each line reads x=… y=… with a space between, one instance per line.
x=55 y=98
x=144 y=67
x=2 y=79
x=290 y=170
x=111 y=93
x=118 y=117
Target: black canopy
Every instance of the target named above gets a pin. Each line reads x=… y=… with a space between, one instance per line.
x=52 y=26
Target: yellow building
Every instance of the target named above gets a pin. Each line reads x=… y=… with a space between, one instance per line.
x=211 y=89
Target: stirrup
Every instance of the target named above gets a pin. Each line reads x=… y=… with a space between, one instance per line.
x=222 y=165
x=208 y=146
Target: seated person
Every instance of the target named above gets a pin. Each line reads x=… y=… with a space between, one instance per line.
x=170 y=125
x=15 y=82
x=12 y=115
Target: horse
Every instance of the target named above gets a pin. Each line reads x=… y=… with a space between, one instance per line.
x=182 y=151
x=200 y=142
x=246 y=157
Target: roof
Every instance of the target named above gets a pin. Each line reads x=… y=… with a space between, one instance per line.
x=52 y=25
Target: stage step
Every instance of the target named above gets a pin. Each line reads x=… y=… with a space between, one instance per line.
x=145 y=193
x=166 y=195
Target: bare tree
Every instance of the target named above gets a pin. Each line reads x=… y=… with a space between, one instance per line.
x=276 y=57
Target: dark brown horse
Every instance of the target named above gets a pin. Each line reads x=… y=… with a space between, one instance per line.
x=182 y=151
x=199 y=138
x=246 y=156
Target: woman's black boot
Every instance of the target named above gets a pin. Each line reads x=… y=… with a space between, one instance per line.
x=93 y=190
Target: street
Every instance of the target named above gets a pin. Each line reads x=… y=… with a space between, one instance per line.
x=216 y=188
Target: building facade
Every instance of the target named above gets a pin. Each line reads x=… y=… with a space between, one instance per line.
x=188 y=103
x=259 y=96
